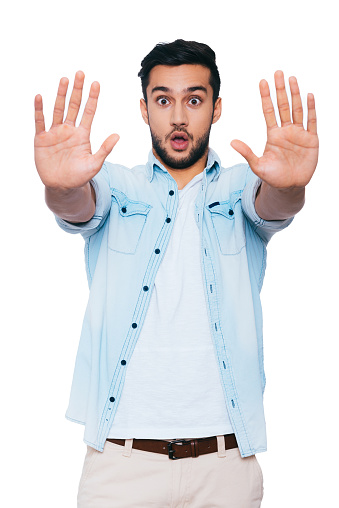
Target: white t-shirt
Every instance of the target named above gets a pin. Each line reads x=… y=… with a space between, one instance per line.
x=172 y=388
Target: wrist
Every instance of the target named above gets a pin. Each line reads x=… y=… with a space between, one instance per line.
x=273 y=203
x=73 y=205
x=283 y=190
x=66 y=191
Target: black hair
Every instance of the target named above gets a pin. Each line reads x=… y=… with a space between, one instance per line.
x=180 y=52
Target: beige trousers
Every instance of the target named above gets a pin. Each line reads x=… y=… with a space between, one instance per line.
x=122 y=477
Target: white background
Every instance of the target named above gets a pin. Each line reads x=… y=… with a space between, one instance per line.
x=43 y=283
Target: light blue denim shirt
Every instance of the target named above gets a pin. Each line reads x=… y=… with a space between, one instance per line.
x=125 y=242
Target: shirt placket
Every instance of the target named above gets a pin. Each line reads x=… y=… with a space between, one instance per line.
x=208 y=259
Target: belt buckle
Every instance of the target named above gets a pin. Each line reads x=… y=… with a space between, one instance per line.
x=170 y=449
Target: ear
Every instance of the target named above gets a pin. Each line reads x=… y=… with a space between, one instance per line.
x=217 y=110
x=144 y=112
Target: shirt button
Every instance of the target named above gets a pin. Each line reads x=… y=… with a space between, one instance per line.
x=112 y=399
x=171 y=192
x=123 y=362
x=168 y=220
x=230 y=212
x=145 y=288
x=124 y=209
x=134 y=325
x=157 y=251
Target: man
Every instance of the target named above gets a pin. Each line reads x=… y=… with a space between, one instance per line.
x=170 y=361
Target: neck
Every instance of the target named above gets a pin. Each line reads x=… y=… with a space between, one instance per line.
x=184 y=176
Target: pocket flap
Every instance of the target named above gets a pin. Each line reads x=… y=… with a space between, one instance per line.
x=225 y=208
x=129 y=207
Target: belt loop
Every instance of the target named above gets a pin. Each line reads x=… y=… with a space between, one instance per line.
x=221 y=446
x=194 y=448
x=128 y=447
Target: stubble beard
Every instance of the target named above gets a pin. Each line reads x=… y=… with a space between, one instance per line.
x=198 y=150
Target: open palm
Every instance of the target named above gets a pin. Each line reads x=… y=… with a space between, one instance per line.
x=63 y=155
x=291 y=152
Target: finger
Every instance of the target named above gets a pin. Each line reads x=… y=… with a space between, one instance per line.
x=105 y=149
x=267 y=105
x=283 y=104
x=91 y=106
x=59 y=107
x=297 y=108
x=312 y=117
x=246 y=152
x=39 y=115
x=75 y=100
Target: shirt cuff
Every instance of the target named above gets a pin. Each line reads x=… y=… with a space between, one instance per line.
x=102 y=208
x=264 y=228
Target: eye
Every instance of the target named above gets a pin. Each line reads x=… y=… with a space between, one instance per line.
x=162 y=101
x=194 y=101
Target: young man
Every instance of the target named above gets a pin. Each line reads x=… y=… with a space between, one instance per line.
x=170 y=361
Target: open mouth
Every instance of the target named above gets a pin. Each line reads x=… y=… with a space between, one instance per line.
x=179 y=140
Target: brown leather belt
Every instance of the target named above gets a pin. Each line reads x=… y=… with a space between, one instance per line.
x=180 y=448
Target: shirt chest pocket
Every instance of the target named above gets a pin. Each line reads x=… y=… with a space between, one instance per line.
x=127 y=221
x=228 y=224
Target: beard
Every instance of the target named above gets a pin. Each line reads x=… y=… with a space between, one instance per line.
x=198 y=150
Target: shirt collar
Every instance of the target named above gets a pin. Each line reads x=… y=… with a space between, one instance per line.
x=213 y=164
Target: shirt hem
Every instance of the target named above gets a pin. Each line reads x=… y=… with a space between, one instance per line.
x=74 y=420
x=169 y=434
x=252 y=452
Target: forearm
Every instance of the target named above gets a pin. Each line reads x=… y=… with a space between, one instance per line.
x=278 y=204
x=73 y=205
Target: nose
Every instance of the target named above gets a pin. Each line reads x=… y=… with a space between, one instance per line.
x=179 y=115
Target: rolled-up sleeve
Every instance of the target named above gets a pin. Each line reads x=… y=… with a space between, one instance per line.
x=100 y=184
x=265 y=229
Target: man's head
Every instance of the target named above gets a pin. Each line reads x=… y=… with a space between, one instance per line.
x=180 y=83
x=180 y=52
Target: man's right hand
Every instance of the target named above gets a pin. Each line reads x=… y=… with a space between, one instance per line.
x=63 y=155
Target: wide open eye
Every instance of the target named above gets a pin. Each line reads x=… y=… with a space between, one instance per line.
x=194 y=101
x=162 y=101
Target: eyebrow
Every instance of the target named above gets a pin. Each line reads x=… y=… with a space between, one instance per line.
x=186 y=90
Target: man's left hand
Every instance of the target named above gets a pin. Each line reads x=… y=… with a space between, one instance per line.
x=291 y=152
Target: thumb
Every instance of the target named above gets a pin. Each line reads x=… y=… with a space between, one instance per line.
x=247 y=153
x=106 y=149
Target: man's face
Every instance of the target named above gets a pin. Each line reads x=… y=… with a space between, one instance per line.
x=180 y=113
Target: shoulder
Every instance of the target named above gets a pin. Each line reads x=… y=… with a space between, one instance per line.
x=118 y=174
x=236 y=177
